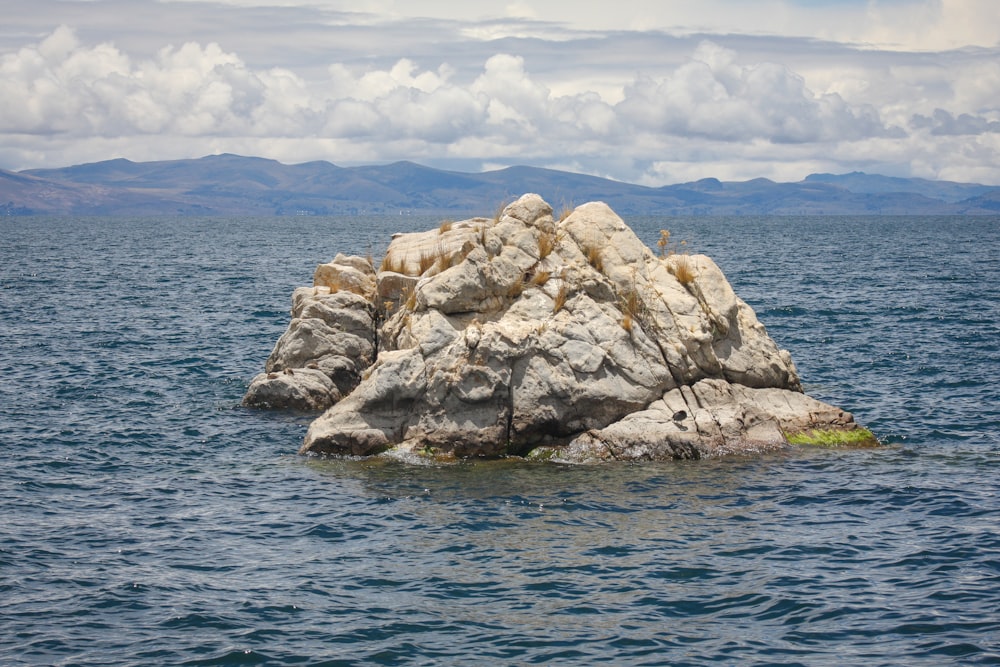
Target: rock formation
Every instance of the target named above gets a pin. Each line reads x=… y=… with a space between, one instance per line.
x=523 y=335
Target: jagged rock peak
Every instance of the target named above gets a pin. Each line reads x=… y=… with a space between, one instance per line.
x=527 y=335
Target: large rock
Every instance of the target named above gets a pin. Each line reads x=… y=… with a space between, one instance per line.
x=329 y=342
x=522 y=335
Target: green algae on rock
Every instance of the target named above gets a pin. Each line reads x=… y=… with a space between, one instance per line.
x=859 y=437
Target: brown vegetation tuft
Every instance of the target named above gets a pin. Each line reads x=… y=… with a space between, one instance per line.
x=682 y=269
x=631 y=302
x=427 y=260
x=393 y=263
x=444 y=261
x=498 y=213
x=546 y=244
x=664 y=248
x=560 y=299
x=594 y=257
x=540 y=278
x=663 y=244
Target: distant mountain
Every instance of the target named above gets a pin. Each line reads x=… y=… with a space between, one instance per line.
x=237 y=185
x=862 y=183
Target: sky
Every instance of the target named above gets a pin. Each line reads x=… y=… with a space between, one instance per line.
x=646 y=91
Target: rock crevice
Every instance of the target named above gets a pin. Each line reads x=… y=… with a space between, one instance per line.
x=525 y=335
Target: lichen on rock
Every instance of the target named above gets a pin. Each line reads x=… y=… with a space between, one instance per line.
x=522 y=335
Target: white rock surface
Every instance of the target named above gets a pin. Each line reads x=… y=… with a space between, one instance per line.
x=525 y=335
x=329 y=341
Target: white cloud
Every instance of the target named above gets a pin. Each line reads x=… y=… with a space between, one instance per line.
x=647 y=106
x=514 y=97
x=932 y=25
x=716 y=97
x=944 y=123
x=62 y=87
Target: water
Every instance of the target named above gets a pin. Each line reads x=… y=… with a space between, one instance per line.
x=148 y=519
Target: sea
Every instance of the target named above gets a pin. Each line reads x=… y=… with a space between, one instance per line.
x=146 y=518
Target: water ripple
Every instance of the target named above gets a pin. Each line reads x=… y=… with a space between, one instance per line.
x=150 y=520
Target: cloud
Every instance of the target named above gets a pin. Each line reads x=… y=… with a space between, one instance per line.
x=401 y=102
x=643 y=106
x=943 y=123
x=62 y=87
x=932 y=25
x=716 y=97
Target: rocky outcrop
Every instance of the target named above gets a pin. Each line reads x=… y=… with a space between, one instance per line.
x=328 y=344
x=524 y=335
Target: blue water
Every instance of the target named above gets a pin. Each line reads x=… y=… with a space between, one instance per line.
x=147 y=519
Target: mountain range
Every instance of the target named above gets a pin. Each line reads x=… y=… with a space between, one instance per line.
x=237 y=185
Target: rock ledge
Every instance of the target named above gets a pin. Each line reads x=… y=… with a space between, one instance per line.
x=563 y=340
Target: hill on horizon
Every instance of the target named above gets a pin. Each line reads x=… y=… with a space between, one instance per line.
x=237 y=185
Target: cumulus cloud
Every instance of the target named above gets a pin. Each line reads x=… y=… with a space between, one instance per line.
x=402 y=102
x=943 y=123
x=716 y=97
x=63 y=86
x=714 y=112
